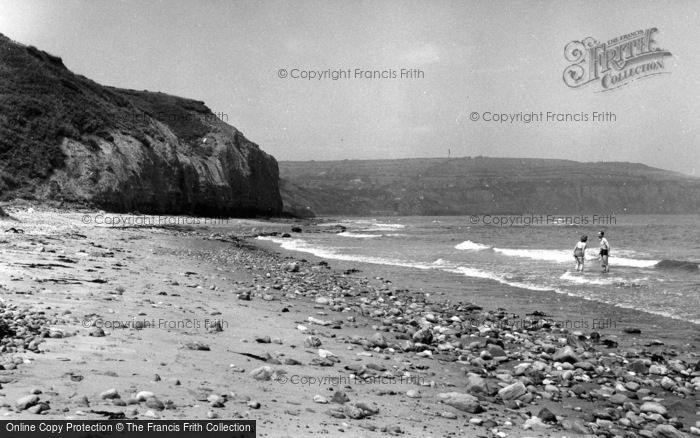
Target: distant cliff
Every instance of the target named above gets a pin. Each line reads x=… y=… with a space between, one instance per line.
x=438 y=186
x=64 y=137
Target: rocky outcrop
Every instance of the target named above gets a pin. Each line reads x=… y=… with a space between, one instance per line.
x=458 y=186
x=63 y=137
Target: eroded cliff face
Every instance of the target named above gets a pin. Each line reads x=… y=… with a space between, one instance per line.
x=66 y=138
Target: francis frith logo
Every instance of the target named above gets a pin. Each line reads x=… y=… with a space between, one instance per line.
x=614 y=63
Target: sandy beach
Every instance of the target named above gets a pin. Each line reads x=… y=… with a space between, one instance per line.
x=198 y=321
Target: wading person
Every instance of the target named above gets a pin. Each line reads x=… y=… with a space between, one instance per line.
x=604 y=251
x=580 y=252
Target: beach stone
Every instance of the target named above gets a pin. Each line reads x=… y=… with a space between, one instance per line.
x=578 y=390
x=216 y=401
x=340 y=398
x=38 y=408
x=359 y=410
x=658 y=370
x=144 y=395
x=320 y=399
x=496 y=351
x=26 y=402
x=667 y=383
x=534 y=423
x=653 y=408
x=263 y=339
x=292 y=267
x=109 y=394
x=413 y=393
x=632 y=386
x=448 y=415
x=96 y=332
x=476 y=384
x=566 y=354
x=154 y=403
x=262 y=373
x=667 y=431
x=639 y=367
x=312 y=342
x=618 y=399
x=197 y=346
x=244 y=296
x=461 y=401
x=378 y=340
x=586 y=366
x=547 y=416
x=512 y=391
x=423 y=336
x=254 y=404
x=326 y=353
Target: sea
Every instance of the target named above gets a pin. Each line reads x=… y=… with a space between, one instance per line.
x=654 y=259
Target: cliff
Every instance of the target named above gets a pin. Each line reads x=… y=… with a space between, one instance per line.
x=458 y=186
x=64 y=137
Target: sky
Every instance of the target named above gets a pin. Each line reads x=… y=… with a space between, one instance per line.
x=472 y=57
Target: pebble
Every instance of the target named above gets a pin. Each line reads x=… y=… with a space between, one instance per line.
x=312 y=342
x=197 y=346
x=461 y=401
x=96 y=332
x=26 y=402
x=144 y=395
x=212 y=414
x=154 y=403
x=547 y=416
x=512 y=391
x=566 y=354
x=109 y=394
x=320 y=399
x=654 y=408
x=667 y=431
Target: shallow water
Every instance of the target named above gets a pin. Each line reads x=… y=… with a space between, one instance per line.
x=654 y=262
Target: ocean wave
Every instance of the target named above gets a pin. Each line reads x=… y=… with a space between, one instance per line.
x=303 y=246
x=501 y=278
x=468 y=245
x=384 y=227
x=585 y=279
x=678 y=264
x=566 y=256
x=373 y=223
x=446 y=266
x=359 y=235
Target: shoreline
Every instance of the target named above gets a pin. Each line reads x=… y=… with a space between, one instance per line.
x=431 y=372
x=597 y=316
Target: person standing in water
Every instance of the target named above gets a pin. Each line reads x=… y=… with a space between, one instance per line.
x=580 y=252
x=604 y=251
